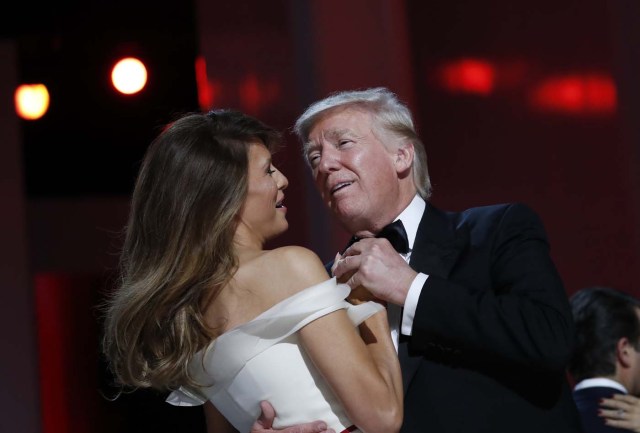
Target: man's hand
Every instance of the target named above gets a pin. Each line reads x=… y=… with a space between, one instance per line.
x=264 y=423
x=358 y=294
x=375 y=265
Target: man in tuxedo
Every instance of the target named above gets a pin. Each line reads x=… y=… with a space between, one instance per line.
x=606 y=360
x=478 y=311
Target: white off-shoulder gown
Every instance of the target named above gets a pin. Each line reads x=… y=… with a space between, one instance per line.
x=263 y=360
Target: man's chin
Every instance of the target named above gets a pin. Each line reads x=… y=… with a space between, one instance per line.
x=348 y=215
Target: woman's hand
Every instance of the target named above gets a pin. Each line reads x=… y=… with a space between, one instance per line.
x=621 y=411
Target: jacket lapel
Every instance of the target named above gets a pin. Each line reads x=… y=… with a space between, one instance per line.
x=439 y=242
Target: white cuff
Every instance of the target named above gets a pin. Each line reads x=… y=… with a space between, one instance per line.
x=411 y=303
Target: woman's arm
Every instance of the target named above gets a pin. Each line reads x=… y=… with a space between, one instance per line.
x=362 y=367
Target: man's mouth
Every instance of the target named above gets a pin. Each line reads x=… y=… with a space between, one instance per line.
x=340 y=186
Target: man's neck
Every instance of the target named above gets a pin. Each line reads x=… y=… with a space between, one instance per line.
x=373 y=227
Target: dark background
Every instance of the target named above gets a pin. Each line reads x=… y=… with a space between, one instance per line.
x=72 y=171
x=92 y=137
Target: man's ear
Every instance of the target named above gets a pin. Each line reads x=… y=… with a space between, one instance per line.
x=624 y=352
x=404 y=157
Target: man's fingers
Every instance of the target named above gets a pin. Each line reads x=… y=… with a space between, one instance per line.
x=267 y=416
x=345 y=265
x=317 y=427
x=312 y=427
x=321 y=427
x=337 y=268
x=264 y=424
x=354 y=281
x=336 y=260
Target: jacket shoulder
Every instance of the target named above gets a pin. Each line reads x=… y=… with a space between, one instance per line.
x=514 y=210
x=502 y=217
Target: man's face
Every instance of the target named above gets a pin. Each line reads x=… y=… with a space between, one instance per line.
x=353 y=169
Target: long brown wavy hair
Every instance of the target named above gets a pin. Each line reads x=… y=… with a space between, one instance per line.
x=178 y=247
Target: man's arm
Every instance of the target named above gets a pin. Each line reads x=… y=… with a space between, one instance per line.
x=518 y=313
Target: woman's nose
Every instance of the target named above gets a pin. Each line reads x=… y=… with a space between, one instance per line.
x=283 y=182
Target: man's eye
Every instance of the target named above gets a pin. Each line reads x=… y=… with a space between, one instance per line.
x=343 y=142
x=270 y=171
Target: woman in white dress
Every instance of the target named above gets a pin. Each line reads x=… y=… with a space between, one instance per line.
x=205 y=311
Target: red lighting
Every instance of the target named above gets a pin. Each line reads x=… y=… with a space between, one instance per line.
x=473 y=76
x=576 y=94
x=208 y=91
x=67 y=351
x=250 y=93
x=255 y=94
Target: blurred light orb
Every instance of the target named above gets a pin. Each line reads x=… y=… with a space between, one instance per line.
x=129 y=76
x=32 y=101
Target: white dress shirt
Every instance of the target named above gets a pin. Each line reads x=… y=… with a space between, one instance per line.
x=410 y=218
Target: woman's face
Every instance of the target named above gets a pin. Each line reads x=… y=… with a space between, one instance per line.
x=263 y=212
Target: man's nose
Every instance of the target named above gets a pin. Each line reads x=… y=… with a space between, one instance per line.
x=329 y=160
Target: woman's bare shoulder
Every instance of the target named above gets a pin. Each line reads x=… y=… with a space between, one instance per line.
x=292 y=268
x=297 y=261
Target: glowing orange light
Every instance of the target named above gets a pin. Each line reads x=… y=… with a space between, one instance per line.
x=129 y=76
x=576 y=94
x=31 y=101
x=468 y=76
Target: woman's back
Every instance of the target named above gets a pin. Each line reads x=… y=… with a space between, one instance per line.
x=262 y=359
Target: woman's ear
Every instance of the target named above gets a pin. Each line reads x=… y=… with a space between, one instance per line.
x=404 y=157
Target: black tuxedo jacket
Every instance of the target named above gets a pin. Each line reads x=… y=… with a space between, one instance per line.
x=588 y=403
x=492 y=331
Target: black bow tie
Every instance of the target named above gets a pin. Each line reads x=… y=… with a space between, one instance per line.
x=394 y=233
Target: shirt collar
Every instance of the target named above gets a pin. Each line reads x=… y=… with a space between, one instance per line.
x=601 y=382
x=411 y=217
